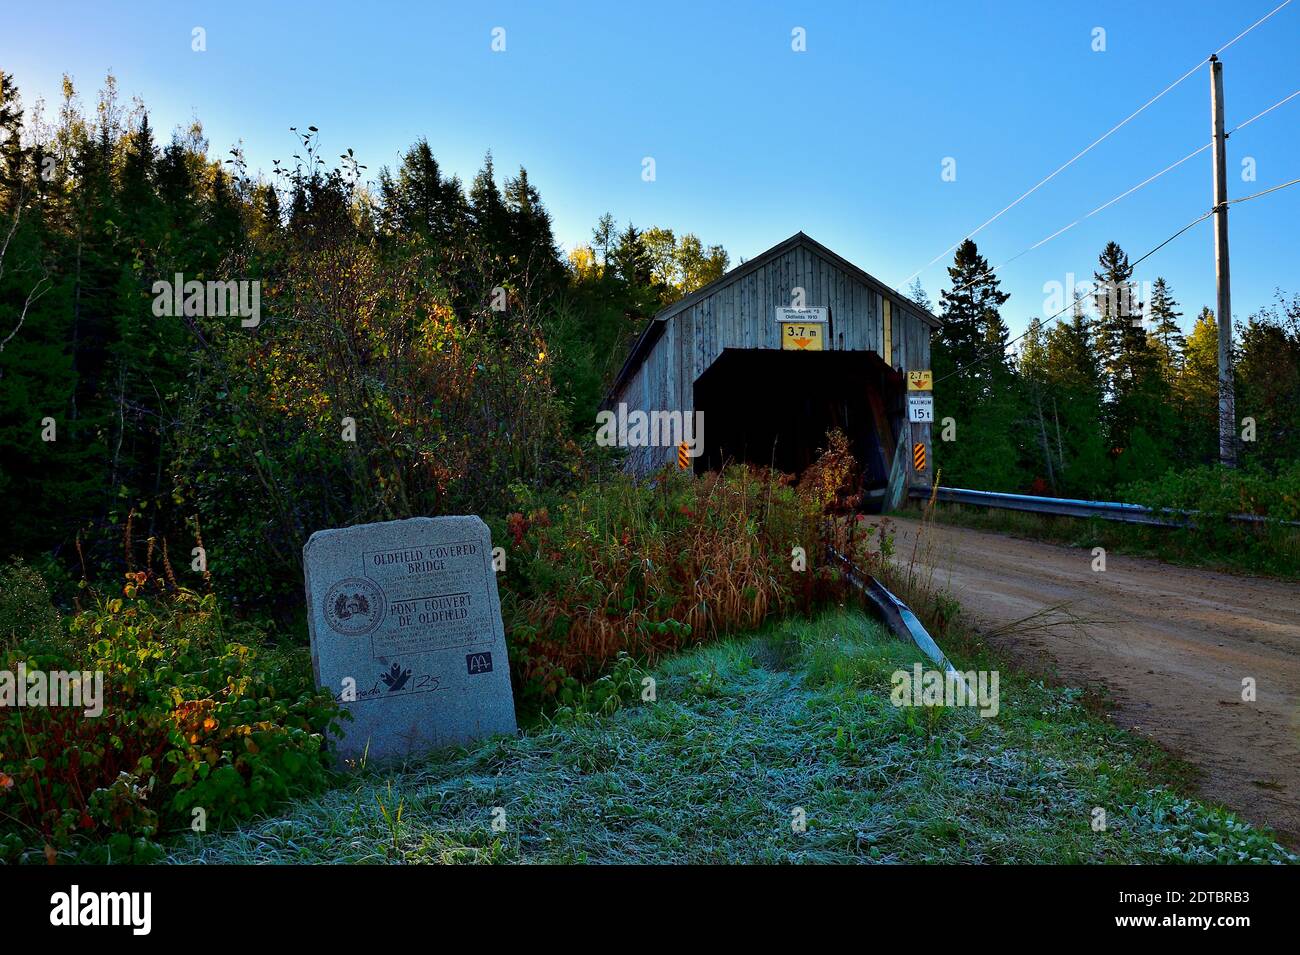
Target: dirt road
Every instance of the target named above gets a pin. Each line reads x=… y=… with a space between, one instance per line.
x=1172 y=644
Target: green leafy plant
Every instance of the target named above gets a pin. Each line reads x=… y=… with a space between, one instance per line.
x=197 y=723
x=1210 y=497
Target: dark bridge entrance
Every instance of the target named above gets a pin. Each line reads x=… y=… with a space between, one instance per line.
x=773 y=408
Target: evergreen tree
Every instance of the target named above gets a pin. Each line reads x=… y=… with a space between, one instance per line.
x=138 y=167
x=419 y=194
x=1071 y=357
x=12 y=154
x=488 y=209
x=456 y=210
x=1166 y=338
x=603 y=237
x=916 y=292
x=1119 y=318
x=95 y=276
x=532 y=242
x=266 y=212
x=973 y=339
x=974 y=381
x=175 y=184
x=1033 y=352
x=1137 y=420
x=631 y=258
x=1032 y=367
x=421 y=202
x=1074 y=383
x=223 y=212
x=46 y=485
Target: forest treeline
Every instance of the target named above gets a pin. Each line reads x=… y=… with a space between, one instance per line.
x=421 y=345
x=1110 y=394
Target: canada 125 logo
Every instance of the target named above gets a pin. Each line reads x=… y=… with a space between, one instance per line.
x=354 y=606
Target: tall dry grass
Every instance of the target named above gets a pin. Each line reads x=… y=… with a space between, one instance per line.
x=649 y=568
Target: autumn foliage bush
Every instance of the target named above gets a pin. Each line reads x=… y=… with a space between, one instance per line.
x=364 y=396
x=833 y=482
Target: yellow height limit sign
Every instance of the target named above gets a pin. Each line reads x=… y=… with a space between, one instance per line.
x=803 y=328
x=796 y=337
x=920 y=380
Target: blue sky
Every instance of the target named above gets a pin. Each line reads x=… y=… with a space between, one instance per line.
x=751 y=140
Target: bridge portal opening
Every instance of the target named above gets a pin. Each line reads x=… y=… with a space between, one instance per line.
x=773 y=408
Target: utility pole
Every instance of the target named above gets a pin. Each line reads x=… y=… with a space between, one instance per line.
x=1223 y=282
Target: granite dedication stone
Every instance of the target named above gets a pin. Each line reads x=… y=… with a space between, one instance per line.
x=406 y=632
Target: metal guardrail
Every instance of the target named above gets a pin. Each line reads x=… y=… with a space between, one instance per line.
x=897 y=615
x=1070 y=507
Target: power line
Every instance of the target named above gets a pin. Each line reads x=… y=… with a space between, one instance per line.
x=1042 y=182
x=1105 y=205
x=1128 y=192
x=1251 y=27
x=1265 y=192
x=1095 y=143
x=1269 y=110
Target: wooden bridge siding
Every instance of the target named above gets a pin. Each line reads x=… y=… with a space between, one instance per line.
x=741 y=314
x=915 y=340
x=646 y=390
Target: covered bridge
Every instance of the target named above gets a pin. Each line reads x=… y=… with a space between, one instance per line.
x=783 y=347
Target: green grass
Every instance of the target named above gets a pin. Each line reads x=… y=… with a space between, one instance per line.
x=1271 y=551
x=741 y=735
